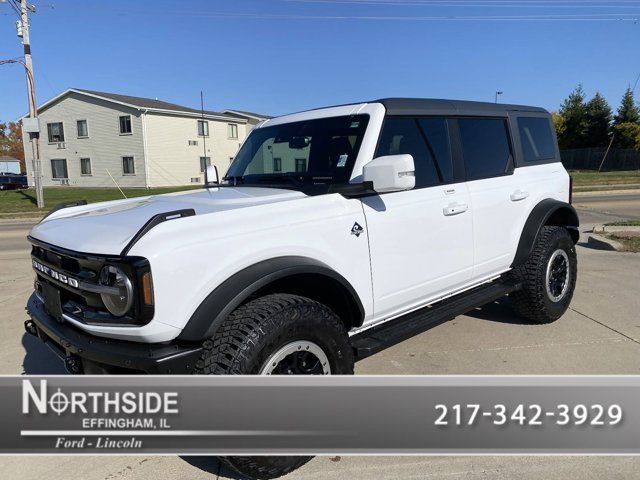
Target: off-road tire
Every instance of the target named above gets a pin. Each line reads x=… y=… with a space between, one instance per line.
x=533 y=301
x=255 y=331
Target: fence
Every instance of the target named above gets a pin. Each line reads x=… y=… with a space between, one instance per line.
x=591 y=158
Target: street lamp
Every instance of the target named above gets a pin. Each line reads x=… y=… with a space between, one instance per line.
x=499 y=92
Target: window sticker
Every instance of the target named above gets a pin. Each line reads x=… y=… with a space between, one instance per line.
x=354 y=124
x=342 y=160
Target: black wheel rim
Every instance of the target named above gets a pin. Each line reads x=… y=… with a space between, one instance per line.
x=297 y=358
x=558 y=274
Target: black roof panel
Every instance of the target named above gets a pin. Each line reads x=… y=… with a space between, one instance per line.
x=429 y=106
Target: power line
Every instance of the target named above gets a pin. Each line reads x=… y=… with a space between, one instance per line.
x=467 y=3
x=628 y=17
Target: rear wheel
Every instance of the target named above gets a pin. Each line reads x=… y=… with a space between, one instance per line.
x=548 y=277
x=278 y=334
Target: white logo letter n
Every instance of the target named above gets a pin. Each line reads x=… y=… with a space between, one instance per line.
x=28 y=392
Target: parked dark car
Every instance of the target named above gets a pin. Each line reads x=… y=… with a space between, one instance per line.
x=13 y=182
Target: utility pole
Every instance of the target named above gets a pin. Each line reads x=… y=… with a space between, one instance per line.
x=33 y=107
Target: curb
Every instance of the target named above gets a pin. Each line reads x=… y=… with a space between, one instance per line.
x=602 y=243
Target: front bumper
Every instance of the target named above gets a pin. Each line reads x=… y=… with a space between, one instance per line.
x=85 y=353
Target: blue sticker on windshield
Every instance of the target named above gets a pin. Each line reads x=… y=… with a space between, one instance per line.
x=342 y=161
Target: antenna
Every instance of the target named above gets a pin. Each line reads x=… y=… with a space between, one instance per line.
x=114 y=181
x=204 y=142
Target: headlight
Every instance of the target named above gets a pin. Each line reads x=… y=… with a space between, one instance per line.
x=117 y=303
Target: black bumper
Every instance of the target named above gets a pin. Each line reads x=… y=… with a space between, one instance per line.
x=93 y=354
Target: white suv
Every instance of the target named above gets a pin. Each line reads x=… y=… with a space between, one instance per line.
x=335 y=233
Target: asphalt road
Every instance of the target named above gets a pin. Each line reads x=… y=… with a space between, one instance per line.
x=600 y=334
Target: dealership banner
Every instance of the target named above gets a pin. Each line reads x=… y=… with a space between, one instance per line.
x=320 y=414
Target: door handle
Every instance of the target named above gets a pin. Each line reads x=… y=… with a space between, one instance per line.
x=454 y=209
x=519 y=195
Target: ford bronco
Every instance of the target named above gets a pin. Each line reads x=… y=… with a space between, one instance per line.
x=334 y=234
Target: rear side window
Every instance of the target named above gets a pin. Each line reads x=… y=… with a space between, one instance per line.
x=485 y=147
x=536 y=139
x=426 y=140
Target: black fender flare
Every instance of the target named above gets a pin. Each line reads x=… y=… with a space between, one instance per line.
x=547 y=212
x=231 y=293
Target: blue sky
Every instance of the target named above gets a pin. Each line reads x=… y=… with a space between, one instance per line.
x=278 y=56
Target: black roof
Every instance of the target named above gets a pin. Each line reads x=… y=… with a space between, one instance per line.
x=429 y=106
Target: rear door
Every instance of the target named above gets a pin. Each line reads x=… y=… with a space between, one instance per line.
x=500 y=199
x=421 y=241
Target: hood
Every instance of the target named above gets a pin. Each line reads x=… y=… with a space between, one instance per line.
x=107 y=227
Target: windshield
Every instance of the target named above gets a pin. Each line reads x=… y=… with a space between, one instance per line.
x=312 y=152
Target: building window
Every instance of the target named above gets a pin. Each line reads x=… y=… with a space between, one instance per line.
x=277 y=164
x=301 y=164
x=203 y=128
x=128 y=166
x=125 y=125
x=193 y=143
x=233 y=130
x=85 y=166
x=204 y=163
x=83 y=129
x=59 y=168
x=56 y=132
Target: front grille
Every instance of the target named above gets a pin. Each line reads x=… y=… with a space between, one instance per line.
x=79 y=274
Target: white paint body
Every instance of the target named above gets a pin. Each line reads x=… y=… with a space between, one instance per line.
x=418 y=246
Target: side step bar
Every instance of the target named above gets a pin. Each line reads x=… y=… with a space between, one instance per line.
x=395 y=331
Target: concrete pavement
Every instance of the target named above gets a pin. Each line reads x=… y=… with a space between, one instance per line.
x=599 y=335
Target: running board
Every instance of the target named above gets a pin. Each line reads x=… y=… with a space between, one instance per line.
x=395 y=331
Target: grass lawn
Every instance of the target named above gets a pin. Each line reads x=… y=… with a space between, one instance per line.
x=630 y=244
x=624 y=223
x=16 y=202
x=585 y=178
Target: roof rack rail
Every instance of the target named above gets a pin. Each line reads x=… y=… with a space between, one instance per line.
x=60 y=206
x=157 y=220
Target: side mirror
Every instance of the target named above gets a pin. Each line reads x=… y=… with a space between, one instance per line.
x=212 y=175
x=391 y=173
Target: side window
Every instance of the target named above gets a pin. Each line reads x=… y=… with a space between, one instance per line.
x=436 y=134
x=536 y=139
x=427 y=140
x=485 y=147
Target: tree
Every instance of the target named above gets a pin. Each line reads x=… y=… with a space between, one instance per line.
x=598 y=118
x=11 y=142
x=628 y=135
x=558 y=122
x=628 y=112
x=574 y=115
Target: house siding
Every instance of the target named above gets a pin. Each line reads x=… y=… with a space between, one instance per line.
x=104 y=146
x=172 y=161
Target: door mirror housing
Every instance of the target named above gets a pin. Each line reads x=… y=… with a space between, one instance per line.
x=212 y=175
x=391 y=173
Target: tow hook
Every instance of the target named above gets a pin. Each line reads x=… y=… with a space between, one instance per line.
x=30 y=327
x=73 y=364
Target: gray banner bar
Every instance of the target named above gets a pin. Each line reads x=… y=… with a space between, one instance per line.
x=320 y=415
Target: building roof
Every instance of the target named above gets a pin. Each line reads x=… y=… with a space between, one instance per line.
x=244 y=113
x=142 y=103
x=7 y=158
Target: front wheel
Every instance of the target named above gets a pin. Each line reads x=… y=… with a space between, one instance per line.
x=278 y=334
x=548 y=277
